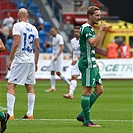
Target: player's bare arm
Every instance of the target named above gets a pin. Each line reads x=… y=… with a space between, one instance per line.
x=14 y=48
x=96 y=41
x=2 y=47
x=74 y=61
x=37 y=51
x=60 y=51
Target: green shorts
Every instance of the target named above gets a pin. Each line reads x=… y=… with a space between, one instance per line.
x=90 y=76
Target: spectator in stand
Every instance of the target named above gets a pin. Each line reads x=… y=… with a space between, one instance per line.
x=5 y=30
x=112 y=50
x=38 y=22
x=125 y=50
x=48 y=41
x=8 y=21
x=7 y=26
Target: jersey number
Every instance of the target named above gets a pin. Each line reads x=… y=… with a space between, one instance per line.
x=30 y=40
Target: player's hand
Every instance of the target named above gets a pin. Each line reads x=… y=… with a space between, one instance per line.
x=74 y=62
x=9 y=65
x=104 y=26
x=55 y=58
x=97 y=66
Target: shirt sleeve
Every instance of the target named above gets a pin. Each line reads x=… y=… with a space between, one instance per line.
x=61 y=41
x=71 y=42
x=16 y=29
x=89 y=33
x=36 y=33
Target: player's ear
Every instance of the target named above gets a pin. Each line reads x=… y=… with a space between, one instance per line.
x=27 y=15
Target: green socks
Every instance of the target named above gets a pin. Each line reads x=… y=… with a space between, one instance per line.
x=2 y=115
x=93 y=98
x=85 y=103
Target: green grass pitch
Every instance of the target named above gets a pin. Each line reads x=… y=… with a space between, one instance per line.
x=54 y=114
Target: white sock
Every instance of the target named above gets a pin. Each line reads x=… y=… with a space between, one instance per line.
x=31 y=101
x=73 y=87
x=52 y=81
x=65 y=79
x=10 y=104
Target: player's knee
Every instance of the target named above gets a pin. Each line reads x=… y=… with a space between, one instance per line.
x=10 y=88
x=74 y=77
x=59 y=74
x=86 y=91
x=100 y=91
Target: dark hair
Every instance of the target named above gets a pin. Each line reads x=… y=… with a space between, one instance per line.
x=77 y=27
x=54 y=28
x=91 y=10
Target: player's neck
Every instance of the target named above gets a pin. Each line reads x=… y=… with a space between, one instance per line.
x=77 y=38
x=23 y=20
x=90 y=23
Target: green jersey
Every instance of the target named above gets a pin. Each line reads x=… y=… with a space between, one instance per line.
x=87 y=57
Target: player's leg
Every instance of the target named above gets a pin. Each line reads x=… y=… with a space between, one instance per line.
x=18 y=75
x=29 y=85
x=88 y=81
x=10 y=99
x=74 y=73
x=86 y=92
x=98 y=88
x=58 y=69
x=52 y=83
x=63 y=78
x=31 y=101
x=72 y=87
x=73 y=84
x=2 y=115
x=3 y=119
x=94 y=95
x=85 y=103
x=52 y=79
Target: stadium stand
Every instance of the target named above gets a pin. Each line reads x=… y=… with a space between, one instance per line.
x=9 y=44
x=47 y=26
x=42 y=35
x=7 y=6
x=21 y=5
x=33 y=7
x=49 y=50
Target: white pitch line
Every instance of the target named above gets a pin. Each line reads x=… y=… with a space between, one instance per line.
x=74 y=120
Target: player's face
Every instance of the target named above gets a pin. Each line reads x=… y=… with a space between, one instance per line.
x=53 y=31
x=96 y=17
x=76 y=32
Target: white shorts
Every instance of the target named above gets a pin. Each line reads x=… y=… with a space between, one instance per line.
x=22 y=73
x=75 y=70
x=56 y=65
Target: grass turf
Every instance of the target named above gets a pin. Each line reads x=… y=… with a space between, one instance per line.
x=54 y=114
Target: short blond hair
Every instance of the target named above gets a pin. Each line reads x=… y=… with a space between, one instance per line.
x=91 y=10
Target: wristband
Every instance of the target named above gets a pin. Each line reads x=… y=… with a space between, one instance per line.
x=76 y=59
